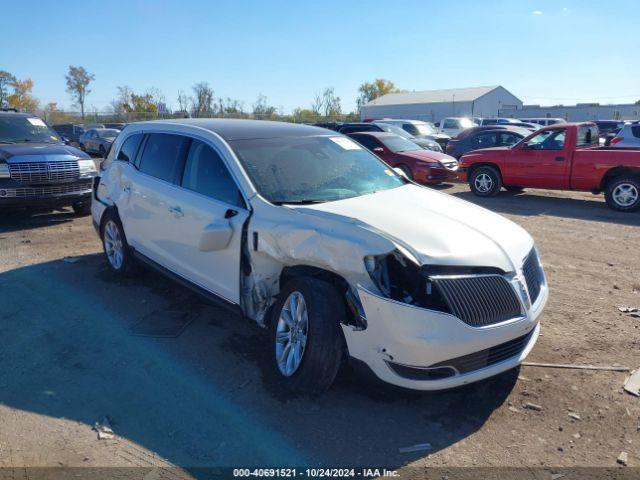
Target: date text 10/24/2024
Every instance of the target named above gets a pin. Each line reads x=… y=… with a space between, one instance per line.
x=314 y=472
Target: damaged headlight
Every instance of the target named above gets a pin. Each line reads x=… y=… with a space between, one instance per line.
x=87 y=168
x=402 y=280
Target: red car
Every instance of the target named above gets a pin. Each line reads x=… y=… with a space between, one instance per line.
x=419 y=164
x=564 y=156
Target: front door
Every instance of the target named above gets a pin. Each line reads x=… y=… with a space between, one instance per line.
x=543 y=161
x=205 y=234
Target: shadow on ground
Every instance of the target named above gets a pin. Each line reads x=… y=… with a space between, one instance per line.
x=16 y=220
x=529 y=203
x=205 y=398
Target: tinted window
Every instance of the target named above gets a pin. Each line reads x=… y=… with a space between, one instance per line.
x=366 y=141
x=206 y=173
x=507 y=139
x=411 y=128
x=484 y=140
x=450 y=124
x=162 y=154
x=129 y=148
x=635 y=131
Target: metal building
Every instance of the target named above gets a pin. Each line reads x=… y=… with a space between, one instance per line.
x=434 y=105
x=581 y=112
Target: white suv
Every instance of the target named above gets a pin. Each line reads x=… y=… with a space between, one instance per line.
x=314 y=237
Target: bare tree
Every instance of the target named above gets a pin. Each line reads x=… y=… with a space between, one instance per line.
x=183 y=101
x=78 y=80
x=261 y=109
x=202 y=100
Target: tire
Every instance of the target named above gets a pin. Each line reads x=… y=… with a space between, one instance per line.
x=485 y=182
x=320 y=344
x=82 y=208
x=406 y=170
x=623 y=193
x=511 y=188
x=111 y=231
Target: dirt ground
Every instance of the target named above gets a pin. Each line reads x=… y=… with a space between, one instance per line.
x=205 y=398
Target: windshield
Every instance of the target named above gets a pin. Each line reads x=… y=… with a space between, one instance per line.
x=398 y=144
x=16 y=129
x=425 y=128
x=312 y=169
x=108 y=133
x=393 y=129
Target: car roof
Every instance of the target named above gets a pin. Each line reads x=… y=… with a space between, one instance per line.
x=489 y=128
x=236 y=129
x=16 y=114
x=375 y=134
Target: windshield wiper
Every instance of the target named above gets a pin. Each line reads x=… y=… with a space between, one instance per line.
x=300 y=202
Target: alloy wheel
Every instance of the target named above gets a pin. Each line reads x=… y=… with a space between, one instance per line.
x=625 y=194
x=483 y=183
x=113 y=245
x=291 y=334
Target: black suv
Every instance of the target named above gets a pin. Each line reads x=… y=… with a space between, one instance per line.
x=37 y=169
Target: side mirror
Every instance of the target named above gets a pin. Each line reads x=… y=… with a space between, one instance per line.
x=400 y=172
x=437 y=124
x=378 y=150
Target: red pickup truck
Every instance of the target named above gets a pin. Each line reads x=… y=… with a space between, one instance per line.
x=563 y=157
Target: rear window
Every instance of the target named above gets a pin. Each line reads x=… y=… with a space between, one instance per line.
x=635 y=130
x=587 y=136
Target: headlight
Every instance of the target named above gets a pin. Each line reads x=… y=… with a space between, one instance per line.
x=87 y=167
x=4 y=171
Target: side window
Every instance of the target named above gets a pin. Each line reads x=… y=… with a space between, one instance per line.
x=450 y=124
x=366 y=141
x=162 y=155
x=507 y=139
x=206 y=173
x=635 y=130
x=484 y=140
x=587 y=136
x=411 y=128
x=129 y=148
x=548 y=140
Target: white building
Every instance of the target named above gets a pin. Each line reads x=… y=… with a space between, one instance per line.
x=581 y=112
x=434 y=105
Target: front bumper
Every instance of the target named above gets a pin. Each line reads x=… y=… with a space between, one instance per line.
x=17 y=195
x=434 y=175
x=419 y=339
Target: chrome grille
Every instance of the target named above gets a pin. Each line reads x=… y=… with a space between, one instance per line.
x=26 y=192
x=480 y=300
x=533 y=275
x=44 y=172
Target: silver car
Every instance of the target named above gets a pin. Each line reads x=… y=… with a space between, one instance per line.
x=98 y=140
x=628 y=136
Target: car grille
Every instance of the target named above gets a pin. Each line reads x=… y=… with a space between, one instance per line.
x=487 y=357
x=533 y=275
x=27 y=192
x=44 y=172
x=480 y=300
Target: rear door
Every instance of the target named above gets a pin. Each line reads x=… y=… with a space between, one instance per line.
x=149 y=215
x=205 y=234
x=543 y=161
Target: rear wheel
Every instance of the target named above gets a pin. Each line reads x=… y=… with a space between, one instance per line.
x=623 y=193
x=485 y=182
x=306 y=340
x=116 y=249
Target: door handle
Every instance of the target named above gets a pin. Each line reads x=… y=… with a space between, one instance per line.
x=560 y=159
x=177 y=211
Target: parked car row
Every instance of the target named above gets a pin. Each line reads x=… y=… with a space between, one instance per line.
x=76 y=134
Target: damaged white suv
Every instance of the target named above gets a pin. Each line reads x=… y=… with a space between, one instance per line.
x=311 y=235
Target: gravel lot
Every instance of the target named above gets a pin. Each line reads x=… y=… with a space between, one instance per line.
x=205 y=398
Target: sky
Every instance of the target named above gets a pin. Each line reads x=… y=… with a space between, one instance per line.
x=544 y=51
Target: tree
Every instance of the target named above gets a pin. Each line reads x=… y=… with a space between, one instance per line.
x=372 y=90
x=262 y=110
x=6 y=81
x=202 y=102
x=183 y=101
x=78 y=79
x=21 y=98
x=638 y=102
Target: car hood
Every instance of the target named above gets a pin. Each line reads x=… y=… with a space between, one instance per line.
x=38 y=152
x=428 y=156
x=423 y=141
x=434 y=227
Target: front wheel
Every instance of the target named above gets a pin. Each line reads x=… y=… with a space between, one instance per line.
x=623 y=193
x=306 y=339
x=485 y=182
